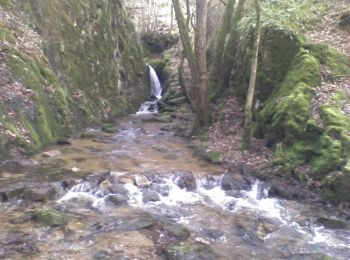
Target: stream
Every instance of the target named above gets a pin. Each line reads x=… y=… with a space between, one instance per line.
x=140 y=193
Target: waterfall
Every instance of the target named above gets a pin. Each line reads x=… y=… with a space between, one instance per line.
x=156 y=88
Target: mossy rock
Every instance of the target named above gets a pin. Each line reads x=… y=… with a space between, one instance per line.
x=157 y=43
x=109 y=128
x=160 y=118
x=50 y=217
x=332 y=223
x=189 y=252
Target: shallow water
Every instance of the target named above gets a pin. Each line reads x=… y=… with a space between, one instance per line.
x=242 y=223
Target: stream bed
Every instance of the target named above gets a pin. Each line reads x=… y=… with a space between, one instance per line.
x=140 y=193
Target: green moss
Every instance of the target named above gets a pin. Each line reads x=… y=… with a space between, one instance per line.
x=6 y=34
x=287 y=110
x=336 y=61
x=50 y=217
x=109 y=128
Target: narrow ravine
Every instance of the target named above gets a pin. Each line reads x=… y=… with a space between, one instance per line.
x=140 y=193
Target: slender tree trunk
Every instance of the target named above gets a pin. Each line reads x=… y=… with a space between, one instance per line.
x=220 y=46
x=188 y=14
x=248 y=113
x=171 y=18
x=228 y=57
x=200 y=74
x=184 y=34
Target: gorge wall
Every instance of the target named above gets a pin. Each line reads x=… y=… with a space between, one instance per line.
x=64 y=64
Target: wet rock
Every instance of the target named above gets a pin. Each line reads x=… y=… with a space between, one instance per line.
x=102 y=255
x=51 y=154
x=127 y=179
x=20 y=163
x=177 y=231
x=3 y=197
x=105 y=185
x=197 y=251
x=109 y=128
x=88 y=135
x=281 y=189
x=64 y=141
x=36 y=193
x=137 y=224
x=142 y=181
x=332 y=223
x=186 y=180
x=118 y=189
x=162 y=189
x=309 y=256
x=18 y=242
x=68 y=184
x=49 y=217
x=150 y=196
x=117 y=199
x=213 y=234
x=234 y=181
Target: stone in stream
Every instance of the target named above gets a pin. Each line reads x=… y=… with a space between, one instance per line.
x=332 y=223
x=177 y=231
x=234 y=181
x=50 y=217
x=117 y=199
x=195 y=251
x=51 y=154
x=136 y=224
x=150 y=196
x=17 y=242
x=186 y=180
x=142 y=181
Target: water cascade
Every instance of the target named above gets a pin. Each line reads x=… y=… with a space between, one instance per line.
x=156 y=92
x=156 y=88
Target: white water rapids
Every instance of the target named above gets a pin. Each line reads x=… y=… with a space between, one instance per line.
x=191 y=208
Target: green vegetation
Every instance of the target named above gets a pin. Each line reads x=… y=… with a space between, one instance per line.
x=91 y=62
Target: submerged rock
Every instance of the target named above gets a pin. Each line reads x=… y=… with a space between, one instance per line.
x=18 y=242
x=197 y=251
x=137 y=224
x=177 y=231
x=50 y=217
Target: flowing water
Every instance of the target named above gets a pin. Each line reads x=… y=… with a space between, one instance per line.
x=141 y=194
x=156 y=88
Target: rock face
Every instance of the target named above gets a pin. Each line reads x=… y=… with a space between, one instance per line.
x=81 y=63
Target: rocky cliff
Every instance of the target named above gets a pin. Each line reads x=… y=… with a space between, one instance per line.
x=64 y=64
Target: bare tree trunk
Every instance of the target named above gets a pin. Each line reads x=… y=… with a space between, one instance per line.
x=171 y=18
x=248 y=113
x=228 y=57
x=188 y=14
x=220 y=46
x=200 y=74
x=184 y=34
